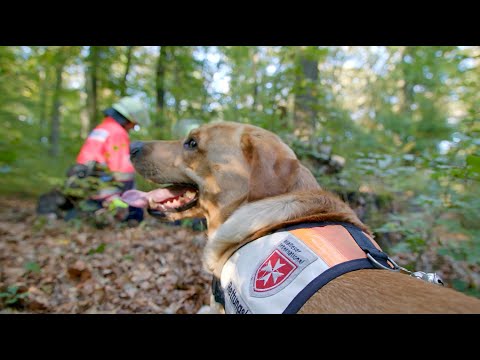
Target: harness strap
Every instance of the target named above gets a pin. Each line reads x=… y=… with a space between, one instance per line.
x=365 y=244
x=217 y=291
x=323 y=279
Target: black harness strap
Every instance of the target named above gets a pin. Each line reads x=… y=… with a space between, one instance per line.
x=365 y=244
x=217 y=291
x=323 y=279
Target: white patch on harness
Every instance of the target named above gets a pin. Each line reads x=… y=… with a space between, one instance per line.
x=99 y=135
x=265 y=275
x=235 y=305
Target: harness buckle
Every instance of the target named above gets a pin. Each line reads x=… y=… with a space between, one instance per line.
x=396 y=267
x=432 y=278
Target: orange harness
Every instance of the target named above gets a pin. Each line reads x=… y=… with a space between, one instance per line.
x=279 y=272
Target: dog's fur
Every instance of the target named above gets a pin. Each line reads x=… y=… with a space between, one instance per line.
x=251 y=183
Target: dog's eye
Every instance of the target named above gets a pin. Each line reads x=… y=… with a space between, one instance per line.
x=190 y=144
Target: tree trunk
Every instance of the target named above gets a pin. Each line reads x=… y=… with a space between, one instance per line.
x=91 y=84
x=305 y=100
x=255 y=84
x=176 y=79
x=55 y=124
x=160 y=86
x=42 y=113
x=407 y=88
x=123 y=88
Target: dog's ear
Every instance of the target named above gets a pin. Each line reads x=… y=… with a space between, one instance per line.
x=272 y=169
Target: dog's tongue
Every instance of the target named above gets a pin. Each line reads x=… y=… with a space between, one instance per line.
x=140 y=199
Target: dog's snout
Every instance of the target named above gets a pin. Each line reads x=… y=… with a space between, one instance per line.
x=136 y=149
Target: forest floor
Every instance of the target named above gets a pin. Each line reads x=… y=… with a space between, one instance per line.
x=51 y=266
x=57 y=267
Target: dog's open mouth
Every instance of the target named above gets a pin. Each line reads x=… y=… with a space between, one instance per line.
x=173 y=198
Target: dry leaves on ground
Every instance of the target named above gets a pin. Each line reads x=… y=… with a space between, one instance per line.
x=50 y=266
x=75 y=268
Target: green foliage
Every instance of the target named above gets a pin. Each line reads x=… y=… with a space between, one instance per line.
x=33 y=267
x=128 y=257
x=465 y=287
x=98 y=250
x=405 y=119
x=12 y=296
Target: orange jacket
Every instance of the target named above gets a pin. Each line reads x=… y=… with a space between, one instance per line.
x=109 y=144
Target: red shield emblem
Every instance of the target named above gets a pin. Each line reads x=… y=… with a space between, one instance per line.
x=273 y=271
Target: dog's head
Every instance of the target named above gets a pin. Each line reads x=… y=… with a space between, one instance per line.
x=214 y=170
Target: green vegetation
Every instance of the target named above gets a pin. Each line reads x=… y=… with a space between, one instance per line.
x=12 y=296
x=405 y=119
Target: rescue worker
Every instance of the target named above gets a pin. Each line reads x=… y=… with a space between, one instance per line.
x=108 y=146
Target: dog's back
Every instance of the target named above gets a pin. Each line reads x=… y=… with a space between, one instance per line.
x=386 y=292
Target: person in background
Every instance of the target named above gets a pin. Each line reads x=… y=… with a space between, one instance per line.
x=107 y=147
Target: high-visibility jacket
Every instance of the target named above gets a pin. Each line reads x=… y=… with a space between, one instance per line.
x=109 y=144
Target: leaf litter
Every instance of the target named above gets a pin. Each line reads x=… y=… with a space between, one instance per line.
x=51 y=266
x=68 y=267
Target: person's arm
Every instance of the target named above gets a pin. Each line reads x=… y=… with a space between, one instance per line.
x=93 y=148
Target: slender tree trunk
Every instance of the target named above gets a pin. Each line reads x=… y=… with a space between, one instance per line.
x=407 y=88
x=84 y=123
x=55 y=124
x=123 y=89
x=255 y=81
x=305 y=101
x=176 y=77
x=206 y=85
x=42 y=113
x=91 y=84
x=160 y=86
x=407 y=98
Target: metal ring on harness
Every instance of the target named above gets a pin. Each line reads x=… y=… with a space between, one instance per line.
x=395 y=268
x=432 y=278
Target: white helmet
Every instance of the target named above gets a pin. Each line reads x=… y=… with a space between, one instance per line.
x=183 y=126
x=133 y=110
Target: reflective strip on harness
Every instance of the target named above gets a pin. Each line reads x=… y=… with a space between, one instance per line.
x=279 y=272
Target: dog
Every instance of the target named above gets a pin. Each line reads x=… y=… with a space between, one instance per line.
x=260 y=201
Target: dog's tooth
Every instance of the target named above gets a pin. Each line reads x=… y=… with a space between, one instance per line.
x=151 y=203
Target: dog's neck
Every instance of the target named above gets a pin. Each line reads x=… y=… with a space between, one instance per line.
x=259 y=217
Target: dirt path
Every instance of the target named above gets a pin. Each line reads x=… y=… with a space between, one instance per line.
x=51 y=266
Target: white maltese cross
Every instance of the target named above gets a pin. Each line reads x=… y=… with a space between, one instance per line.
x=269 y=271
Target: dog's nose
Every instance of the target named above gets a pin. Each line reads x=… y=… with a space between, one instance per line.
x=135 y=149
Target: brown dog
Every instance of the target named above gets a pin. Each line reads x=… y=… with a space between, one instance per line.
x=248 y=184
